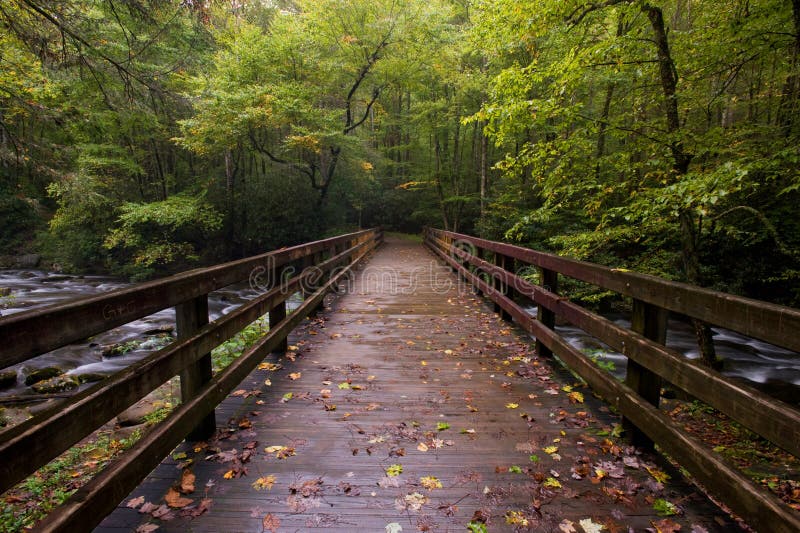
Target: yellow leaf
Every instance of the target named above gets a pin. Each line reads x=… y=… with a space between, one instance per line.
x=430 y=482
x=295 y=375
x=550 y=449
x=265 y=482
x=512 y=405
x=422 y=447
x=575 y=397
x=228 y=475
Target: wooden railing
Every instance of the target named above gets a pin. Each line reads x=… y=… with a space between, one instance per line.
x=32 y=444
x=492 y=266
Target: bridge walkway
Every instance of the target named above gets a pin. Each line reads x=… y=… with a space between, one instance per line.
x=410 y=404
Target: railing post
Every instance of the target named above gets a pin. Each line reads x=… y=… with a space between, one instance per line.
x=189 y=318
x=549 y=282
x=651 y=322
x=503 y=261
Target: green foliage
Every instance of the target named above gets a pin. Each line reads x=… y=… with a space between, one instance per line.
x=160 y=234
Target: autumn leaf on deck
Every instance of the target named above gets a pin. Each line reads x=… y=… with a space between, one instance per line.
x=512 y=405
x=658 y=475
x=430 y=482
x=286 y=397
x=575 y=397
x=516 y=518
x=175 y=500
x=394 y=527
x=412 y=502
x=271 y=523
x=567 y=526
x=187 y=482
x=146 y=528
x=134 y=503
x=552 y=483
x=550 y=449
x=394 y=470
x=665 y=526
x=422 y=447
x=441 y=426
x=295 y=375
x=344 y=385
x=265 y=482
x=272 y=367
x=591 y=527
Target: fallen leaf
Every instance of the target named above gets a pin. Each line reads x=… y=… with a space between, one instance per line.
x=394 y=527
x=146 y=528
x=666 y=526
x=175 y=500
x=575 y=397
x=187 y=482
x=295 y=375
x=134 y=503
x=591 y=527
x=430 y=482
x=512 y=405
x=394 y=470
x=422 y=447
x=265 y=482
x=271 y=523
x=567 y=526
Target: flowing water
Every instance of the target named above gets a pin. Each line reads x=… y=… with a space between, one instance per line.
x=764 y=366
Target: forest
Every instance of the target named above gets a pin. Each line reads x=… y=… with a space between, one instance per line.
x=144 y=137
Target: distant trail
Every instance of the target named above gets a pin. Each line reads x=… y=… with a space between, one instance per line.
x=411 y=403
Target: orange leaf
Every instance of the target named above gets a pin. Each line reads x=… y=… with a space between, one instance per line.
x=187 y=482
x=271 y=522
x=175 y=500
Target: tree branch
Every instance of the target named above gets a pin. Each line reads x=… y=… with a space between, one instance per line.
x=580 y=12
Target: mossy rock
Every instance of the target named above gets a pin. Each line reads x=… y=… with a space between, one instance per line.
x=57 y=384
x=90 y=377
x=8 y=379
x=3 y=418
x=42 y=374
x=115 y=350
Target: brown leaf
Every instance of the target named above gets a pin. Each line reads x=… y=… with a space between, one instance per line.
x=148 y=508
x=271 y=523
x=146 y=528
x=666 y=526
x=187 y=482
x=175 y=500
x=134 y=503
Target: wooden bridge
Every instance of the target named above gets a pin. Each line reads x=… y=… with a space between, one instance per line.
x=406 y=403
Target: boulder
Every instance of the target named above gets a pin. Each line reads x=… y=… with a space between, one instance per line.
x=8 y=379
x=57 y=384
x=41 y=374
x=137 y=413
x=27 y=261
x=90 y=377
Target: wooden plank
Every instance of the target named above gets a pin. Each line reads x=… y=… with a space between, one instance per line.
x=87 y=507
x=33 y=443
x=772 y=323
x=773 y=419
x=762 y=509
x=31 y=333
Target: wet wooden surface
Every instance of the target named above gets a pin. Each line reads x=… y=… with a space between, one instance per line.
x=410 y=368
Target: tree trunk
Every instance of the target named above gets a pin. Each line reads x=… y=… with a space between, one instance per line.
x=681 y=160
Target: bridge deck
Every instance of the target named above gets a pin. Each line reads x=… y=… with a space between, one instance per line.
x=410 y=369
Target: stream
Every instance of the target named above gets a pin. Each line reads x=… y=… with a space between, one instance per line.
x=766 y=367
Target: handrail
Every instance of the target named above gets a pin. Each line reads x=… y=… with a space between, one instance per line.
x=37 y=331
x=31 y=444
x=775 y=324
x=649 y=361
